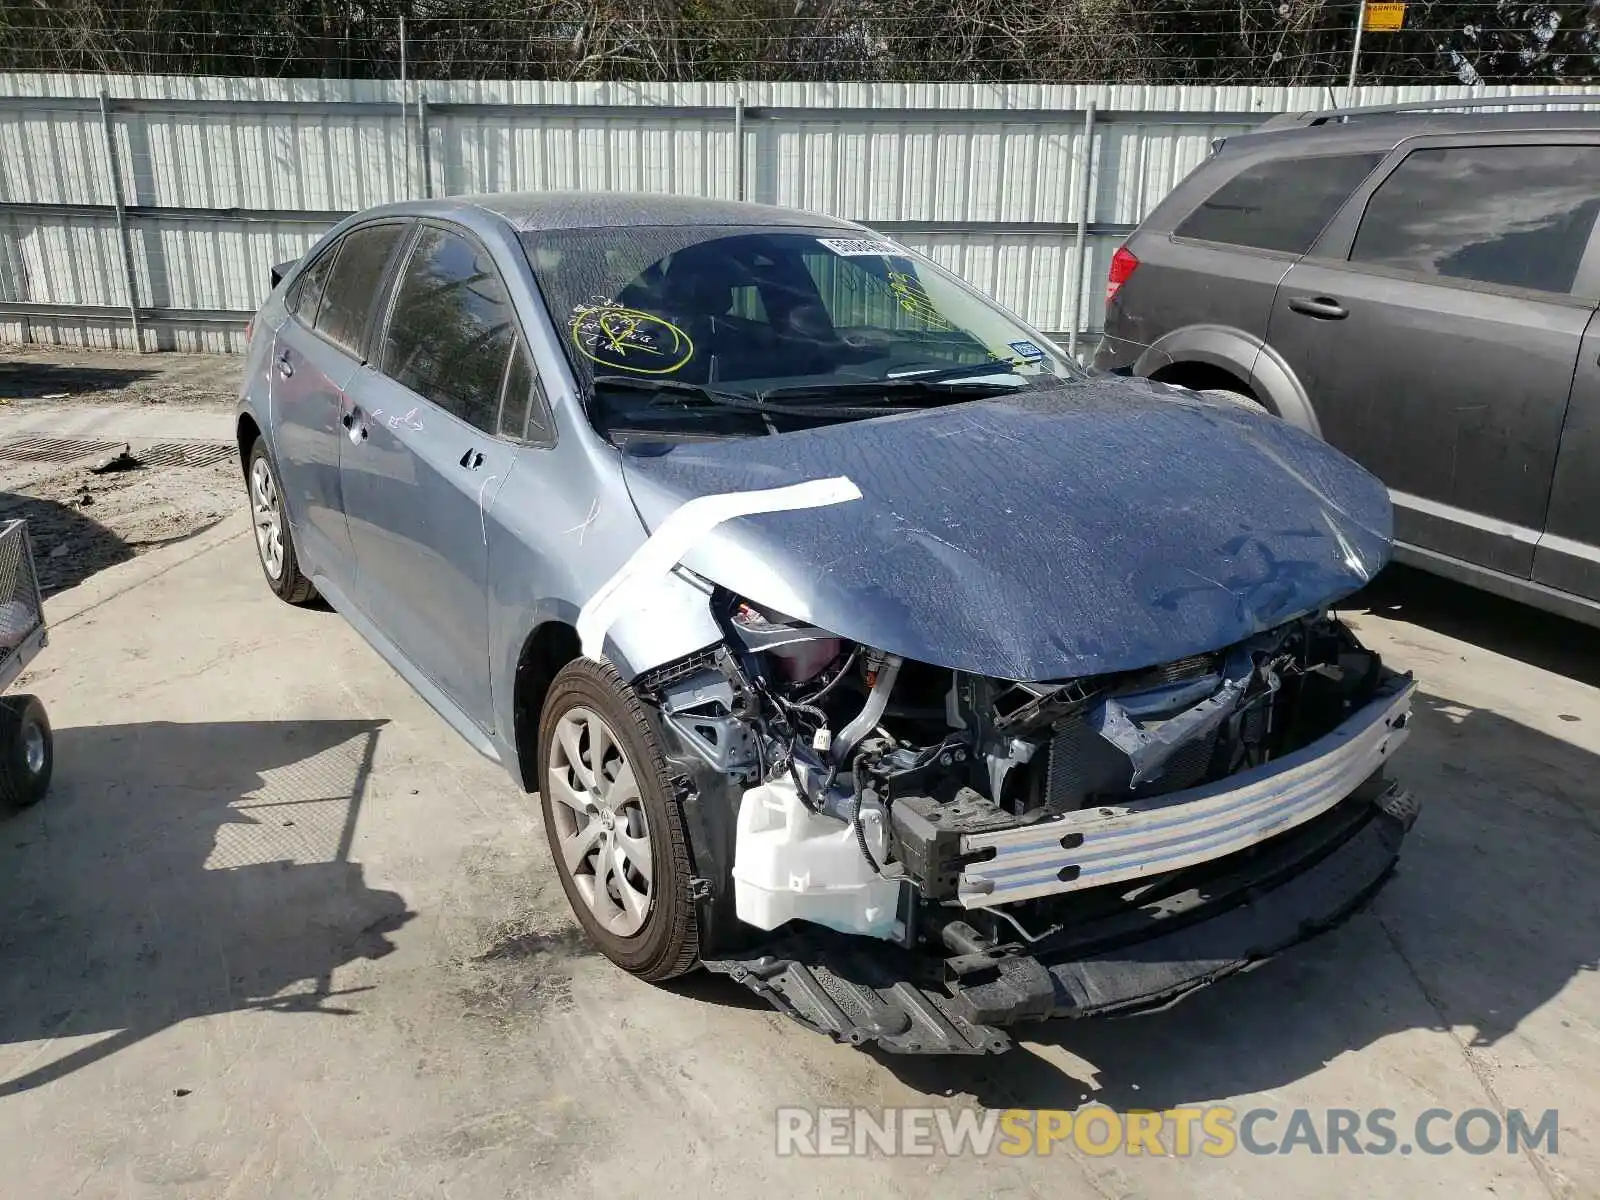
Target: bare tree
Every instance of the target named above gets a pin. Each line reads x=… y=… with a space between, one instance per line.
x=1130 y=41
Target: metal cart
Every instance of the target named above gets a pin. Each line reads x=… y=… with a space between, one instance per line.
x=26 y=747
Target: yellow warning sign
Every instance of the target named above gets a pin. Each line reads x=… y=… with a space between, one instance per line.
x=1385 y=18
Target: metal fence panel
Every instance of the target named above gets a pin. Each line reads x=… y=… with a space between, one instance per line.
x=51 y=157
x=221 y=178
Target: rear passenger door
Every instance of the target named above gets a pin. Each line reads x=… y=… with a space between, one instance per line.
x=1436 y=325
x=318 y=351
x=1224 y=259
x=425 y=458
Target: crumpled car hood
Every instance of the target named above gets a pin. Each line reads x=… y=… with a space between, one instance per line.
x=1101 y=526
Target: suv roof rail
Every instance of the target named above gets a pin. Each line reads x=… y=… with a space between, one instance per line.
x=1340 y=115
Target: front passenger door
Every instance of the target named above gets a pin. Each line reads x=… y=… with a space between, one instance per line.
x=423 y=463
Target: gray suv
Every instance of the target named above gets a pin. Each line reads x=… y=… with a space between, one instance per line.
x=1419 y=288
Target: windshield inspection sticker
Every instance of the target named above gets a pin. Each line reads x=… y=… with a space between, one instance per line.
x=860 y=247
x=627 y=339
x=913 y=299
x=1027 y=351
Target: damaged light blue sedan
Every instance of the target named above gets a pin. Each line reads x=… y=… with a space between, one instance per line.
x=858 y=645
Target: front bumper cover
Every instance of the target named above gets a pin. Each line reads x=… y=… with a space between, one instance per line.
x=1231 y=915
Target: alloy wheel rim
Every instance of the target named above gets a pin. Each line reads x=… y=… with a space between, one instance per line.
x=268 y=518
x=602 y=833
x=33 y=748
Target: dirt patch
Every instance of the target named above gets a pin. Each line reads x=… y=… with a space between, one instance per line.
x=524 y=970
x=81 y=522
x=45 y=375
x=514 y=940
x=62 y=402
x=521 y=952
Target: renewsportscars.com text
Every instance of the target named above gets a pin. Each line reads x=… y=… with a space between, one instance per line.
x=1212 y=1131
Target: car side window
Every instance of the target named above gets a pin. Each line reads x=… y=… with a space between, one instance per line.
x=452 y=328
x=354 y=283
x=1279 y=205
x=1515 y=216
x=306 y=291
x=524 y=410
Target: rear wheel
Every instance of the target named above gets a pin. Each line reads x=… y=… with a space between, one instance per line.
x=27 y=751
x=613 y=824
x=274 y=542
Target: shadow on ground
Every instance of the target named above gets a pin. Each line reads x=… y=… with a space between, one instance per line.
x=29 y=380
x=180 y=870
x=1515 y=630
x=86 y=545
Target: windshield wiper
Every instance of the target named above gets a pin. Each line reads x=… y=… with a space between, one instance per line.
x=676 y=387
x=962 y=371
x=758 y=402
x=948 y=381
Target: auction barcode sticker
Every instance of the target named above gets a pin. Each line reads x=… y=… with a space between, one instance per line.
x=852 y=247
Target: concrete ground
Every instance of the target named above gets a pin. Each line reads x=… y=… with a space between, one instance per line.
x=278 y=933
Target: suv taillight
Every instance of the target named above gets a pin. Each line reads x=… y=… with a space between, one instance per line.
x=1123 y=265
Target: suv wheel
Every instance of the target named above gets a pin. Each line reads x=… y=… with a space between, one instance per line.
x=613 y=824
x=274 y=543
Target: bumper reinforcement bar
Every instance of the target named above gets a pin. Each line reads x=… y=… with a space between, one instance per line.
x=1101 y=845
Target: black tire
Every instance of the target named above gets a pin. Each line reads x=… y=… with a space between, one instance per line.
x=289 y=585
x=27 y=751
x=668 y=943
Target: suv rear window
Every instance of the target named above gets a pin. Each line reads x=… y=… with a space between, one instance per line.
x=1515 y=216
x=1279 y=205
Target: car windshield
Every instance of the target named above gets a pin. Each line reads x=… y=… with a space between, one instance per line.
x=724 y=331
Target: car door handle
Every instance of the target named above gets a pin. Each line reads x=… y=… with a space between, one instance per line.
x=472 y=459
x=351 y=420
x=1321 y=307
x=285 y=366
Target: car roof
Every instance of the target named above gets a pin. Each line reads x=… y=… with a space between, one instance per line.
x=1390 y=128
x=527 y=212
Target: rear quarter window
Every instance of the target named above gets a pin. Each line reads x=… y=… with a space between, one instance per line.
x=1278 y=205
x=305 y=293
x=524 y=411
x=1507 y=216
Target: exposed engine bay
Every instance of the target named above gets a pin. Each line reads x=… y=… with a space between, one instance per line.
x=892 y=799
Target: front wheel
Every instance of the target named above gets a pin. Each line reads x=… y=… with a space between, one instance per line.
x=27 y=751
x=613 y=824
